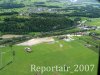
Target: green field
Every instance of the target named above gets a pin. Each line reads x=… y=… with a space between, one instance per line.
x=94 y=22
x=47 y=54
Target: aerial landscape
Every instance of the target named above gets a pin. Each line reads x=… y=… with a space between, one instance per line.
x=49 y=37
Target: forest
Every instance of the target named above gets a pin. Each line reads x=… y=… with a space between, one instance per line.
x=35 y=24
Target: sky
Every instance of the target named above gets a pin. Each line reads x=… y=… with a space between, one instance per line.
x=73 y=0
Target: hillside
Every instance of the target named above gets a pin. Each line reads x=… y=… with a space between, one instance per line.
x=49 y=34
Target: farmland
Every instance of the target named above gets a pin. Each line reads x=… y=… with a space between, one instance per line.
x=49 y=33
x=94 y=22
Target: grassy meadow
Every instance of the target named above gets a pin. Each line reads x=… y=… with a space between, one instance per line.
x=51 y=54
x=94 y=22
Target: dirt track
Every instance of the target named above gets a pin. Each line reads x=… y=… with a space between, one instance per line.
x=36 y=41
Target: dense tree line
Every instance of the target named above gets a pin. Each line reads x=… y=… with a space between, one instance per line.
x=47 y=6
x=8 y=13
x=35 y=24
x=11 y=5
x=46 y=15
